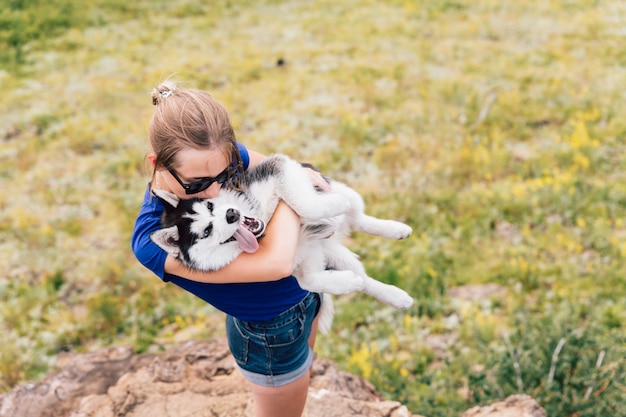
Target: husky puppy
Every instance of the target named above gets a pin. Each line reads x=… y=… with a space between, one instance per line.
x=208 y=234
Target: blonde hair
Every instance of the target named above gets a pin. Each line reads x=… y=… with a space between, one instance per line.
x=189 y=118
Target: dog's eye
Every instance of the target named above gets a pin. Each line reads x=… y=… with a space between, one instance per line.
x=209 y=205
x=207 y=231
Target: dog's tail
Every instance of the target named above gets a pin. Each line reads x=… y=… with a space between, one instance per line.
x=327 y=311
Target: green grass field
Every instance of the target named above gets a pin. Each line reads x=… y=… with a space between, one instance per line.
x=496 y=129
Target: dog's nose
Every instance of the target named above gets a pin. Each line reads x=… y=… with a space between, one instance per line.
x=232 y=216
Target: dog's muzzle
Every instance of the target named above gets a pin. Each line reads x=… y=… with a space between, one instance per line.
x=254 y=225
x=248 y=231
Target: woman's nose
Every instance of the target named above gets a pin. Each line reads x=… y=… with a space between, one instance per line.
x=210 y=192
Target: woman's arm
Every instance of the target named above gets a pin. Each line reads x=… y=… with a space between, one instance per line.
x=277 y=249
x=273 y=261
x=255 y=158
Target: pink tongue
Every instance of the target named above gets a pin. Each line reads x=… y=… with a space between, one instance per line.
x=247 y=241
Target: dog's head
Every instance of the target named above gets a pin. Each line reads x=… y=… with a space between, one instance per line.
x=206 y=234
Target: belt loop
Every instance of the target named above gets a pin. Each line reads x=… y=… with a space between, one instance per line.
x=302 y=304
x=318 y=296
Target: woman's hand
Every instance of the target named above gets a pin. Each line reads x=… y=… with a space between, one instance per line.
x=318 y=179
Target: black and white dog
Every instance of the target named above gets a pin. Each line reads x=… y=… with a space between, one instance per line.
x=208 y=234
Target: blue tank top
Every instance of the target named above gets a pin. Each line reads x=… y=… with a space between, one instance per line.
x=253 y=301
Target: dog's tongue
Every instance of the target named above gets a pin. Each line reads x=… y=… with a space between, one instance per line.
x=247 y=241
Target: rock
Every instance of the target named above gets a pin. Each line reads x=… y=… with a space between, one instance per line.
x=513 y=406
x=200 y=379
x=193 y=378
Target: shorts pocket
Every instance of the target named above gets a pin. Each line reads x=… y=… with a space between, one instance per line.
x=238 y=342
x=286 y=334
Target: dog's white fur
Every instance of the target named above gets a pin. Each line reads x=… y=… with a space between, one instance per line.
x=323 y=263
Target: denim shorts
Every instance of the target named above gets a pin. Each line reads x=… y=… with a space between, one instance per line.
x=275 y=352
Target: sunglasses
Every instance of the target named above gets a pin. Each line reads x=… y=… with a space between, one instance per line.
x=202 y=184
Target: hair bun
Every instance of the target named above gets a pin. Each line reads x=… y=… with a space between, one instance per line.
x=163 y=91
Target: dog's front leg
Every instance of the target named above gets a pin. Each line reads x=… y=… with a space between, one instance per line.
x=295 y=187
x=361 y=222
x=390 y=229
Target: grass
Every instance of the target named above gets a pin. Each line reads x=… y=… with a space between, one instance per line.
x=494 y=129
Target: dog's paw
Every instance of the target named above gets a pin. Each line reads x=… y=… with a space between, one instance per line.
x=399 y=299
x=405 y=301
x=399 y=231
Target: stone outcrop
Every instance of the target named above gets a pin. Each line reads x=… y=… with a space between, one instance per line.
x=196 y=379
x=513 y=406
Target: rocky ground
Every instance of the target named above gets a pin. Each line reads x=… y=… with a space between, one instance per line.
x=198 y=379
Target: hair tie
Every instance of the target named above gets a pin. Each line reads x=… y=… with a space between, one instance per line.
x=165 y=94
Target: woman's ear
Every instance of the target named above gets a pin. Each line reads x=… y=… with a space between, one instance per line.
x=152 y=159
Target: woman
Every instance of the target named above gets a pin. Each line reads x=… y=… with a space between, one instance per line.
x=270 y=321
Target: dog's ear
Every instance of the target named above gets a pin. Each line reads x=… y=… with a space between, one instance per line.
x=168 y=199
x=167 y=239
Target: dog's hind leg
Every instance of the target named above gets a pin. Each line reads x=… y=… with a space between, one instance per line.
x=332 y=282
x=312 y=274
x=341 y=258
x=388 y=294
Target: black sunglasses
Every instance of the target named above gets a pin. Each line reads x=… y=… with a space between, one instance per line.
x=202 y=184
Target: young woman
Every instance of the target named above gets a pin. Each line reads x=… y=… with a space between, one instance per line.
x=270 y=321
